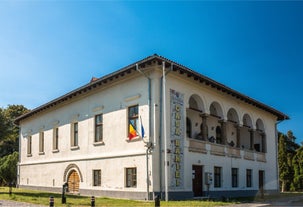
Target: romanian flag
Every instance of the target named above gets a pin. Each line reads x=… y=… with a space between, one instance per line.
x=142 y=129
x=132 y=132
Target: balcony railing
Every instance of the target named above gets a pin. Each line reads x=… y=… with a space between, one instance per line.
x=217 y=149
x=204 y=147
x=249 y=155
x=197 y=146
x=260 y=156
x=233 y=152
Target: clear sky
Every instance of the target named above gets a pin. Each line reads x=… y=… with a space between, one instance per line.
x=50 y=48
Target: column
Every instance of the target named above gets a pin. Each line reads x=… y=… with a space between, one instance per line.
x=223 y=131
x=263 y=142
x=252 y=138
x=204 y=127
x=238 y=135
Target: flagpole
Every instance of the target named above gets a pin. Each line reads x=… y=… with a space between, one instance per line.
x=164 y=132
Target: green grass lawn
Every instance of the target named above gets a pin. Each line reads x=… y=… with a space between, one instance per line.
x=42 y=198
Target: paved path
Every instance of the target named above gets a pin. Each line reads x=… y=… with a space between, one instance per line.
x=7 y=203
x=279 y=202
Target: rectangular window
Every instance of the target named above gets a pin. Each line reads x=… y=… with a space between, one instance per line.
x=97 y=177
x=56 y=138
x=41 y=142
x=234 y=177
x=29 y=145
x=248 y=178
x=74 y=138
x=131 y=177
x=133 y=121
x=217 y=177
x=99 y=128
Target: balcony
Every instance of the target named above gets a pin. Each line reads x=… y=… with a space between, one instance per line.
x=217 y=149
x=197 y=146
x=205 y=147
x=260 y=156
x=249 y=154
x=233 y=152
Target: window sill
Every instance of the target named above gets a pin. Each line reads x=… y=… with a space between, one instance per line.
x=29 y=155
x=98 y=143
x=55 y=151
x=74 y=147
x=41 y=153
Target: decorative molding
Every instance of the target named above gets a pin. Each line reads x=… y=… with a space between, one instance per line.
x=75 y=118
x=98 y=109
x=68 y=170
x=56 y=122
x=133 y=97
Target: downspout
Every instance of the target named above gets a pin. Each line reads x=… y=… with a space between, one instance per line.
x=160 y=138
x=163 y=116
x=148 y=144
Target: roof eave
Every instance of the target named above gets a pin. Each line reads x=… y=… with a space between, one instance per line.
x=132 y=67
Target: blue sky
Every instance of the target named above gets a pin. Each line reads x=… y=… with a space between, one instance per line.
x=50 y=48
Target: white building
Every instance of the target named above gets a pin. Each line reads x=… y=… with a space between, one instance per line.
x=214 y=140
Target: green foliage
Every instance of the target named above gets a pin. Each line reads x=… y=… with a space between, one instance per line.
x=8 y=168
x=297 y=162
x=290 y=160
x=9 y=142
x=9 y=132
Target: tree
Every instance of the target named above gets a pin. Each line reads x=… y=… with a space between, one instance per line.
x=8 y=168
x=284 y=167
x=290 y=162
x=9 y=132
x=9 y=142
x=297 y=163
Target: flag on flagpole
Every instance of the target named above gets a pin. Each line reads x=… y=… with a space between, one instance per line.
x=142 y=128
x=132 y=132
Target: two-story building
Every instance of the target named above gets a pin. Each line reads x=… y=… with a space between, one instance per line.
x=153 y=127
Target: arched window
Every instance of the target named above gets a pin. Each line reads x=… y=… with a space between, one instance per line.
x=218 y=135
x=188 y=127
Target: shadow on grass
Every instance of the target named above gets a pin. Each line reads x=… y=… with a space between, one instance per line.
x=46 y=195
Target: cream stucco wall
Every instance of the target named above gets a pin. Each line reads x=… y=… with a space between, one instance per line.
x=116 y=153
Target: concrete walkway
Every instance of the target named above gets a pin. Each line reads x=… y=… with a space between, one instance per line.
x=6 y=203
x=279 y=202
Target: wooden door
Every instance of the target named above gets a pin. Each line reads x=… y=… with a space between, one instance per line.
x=73 y=182
x=197 y=177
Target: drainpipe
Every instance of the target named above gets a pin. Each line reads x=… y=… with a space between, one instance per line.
x=148 y=144
x=163 y=107
x=165 y=133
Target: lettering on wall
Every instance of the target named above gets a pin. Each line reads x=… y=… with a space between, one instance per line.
x=177 y=139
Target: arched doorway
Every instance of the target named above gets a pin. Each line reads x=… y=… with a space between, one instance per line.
x=73 y=181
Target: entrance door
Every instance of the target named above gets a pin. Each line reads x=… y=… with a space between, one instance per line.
x=197 y=180
x=73 y=182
